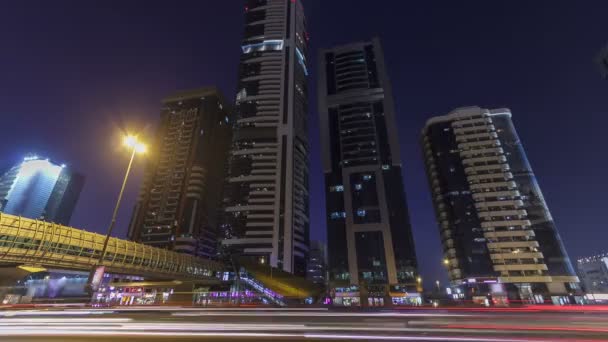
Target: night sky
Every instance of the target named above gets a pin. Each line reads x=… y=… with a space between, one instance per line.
x=75 y=74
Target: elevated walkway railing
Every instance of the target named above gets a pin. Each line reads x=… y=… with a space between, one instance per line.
x=35 y=242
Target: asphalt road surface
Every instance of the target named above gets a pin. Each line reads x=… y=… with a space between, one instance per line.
x=187 y=324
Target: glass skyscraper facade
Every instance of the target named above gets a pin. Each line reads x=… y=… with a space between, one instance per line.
x=498 y=235
x=266 y=199
x=178 y=205
x=369 y=238
x=40 y=189
x=593 y=271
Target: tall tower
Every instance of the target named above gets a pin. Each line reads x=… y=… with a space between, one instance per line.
x=266 y=197
x=497 y=232
x=593 y=271
x=177 y=207
x=40 y=189
x=368 y=229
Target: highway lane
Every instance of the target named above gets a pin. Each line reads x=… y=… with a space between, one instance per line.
x=187 y=324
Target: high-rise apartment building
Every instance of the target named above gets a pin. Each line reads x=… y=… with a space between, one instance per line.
x=266 y=197
x=179 y=201
x=369 y=236
x=498 y=236
x=593 y=271
x=40 y=189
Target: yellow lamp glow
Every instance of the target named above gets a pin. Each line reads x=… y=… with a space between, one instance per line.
x=132 y=142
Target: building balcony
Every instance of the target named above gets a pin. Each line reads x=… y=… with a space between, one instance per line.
x=506 y=223
x=526 y=279
x=520 y=255
x=513 y=244
x=509 y=233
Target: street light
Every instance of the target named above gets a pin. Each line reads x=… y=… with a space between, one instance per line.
x=131 y=142
x=446 y=262
x=136 y=146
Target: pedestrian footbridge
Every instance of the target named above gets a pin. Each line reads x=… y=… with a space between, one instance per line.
x=35 y=244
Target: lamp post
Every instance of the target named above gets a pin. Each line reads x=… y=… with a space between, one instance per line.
x=137 y=147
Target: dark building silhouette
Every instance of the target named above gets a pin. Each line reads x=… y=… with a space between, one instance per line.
x=497 y=232
x=369 y=236
x=40 y=189
x=178 y=204
x=317 y=263
x=266 y=199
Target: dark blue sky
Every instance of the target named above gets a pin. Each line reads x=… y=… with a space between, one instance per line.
x=73 y=74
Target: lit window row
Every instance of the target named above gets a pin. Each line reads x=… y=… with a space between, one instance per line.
x=267 y=45
x=337 y=215
x=336 y=188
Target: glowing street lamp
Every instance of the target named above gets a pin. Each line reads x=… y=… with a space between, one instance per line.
x=136 y=146
x=446 y=262
x=132 y=142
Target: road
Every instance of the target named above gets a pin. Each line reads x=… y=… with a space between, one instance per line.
x=187 y=324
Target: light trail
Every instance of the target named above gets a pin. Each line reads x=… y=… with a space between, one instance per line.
x=322 y=314
x=52 y=313
x=304 y=324
x=317 y=336
x=125 y=325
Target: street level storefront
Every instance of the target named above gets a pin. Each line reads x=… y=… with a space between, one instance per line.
x=136 y=293
x=346 y=296
x=404 y=295
x=375 y=296
x=494 y=292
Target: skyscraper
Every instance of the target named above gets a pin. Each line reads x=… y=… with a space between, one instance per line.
x=369 y=236
x=40 y=189
x=497 y=232
x=593 y=271
x=317 y=263
x=266 y=197
x=178 y=204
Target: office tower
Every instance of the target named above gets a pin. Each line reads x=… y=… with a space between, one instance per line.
x=593 y=271
x=178 y=204
x=369 y=236
x=602 y=61
x=40 y=189
x=317 y=262
x=497 y=232
x=266 y=197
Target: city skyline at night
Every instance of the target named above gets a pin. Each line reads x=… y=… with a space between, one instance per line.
x=85 y=92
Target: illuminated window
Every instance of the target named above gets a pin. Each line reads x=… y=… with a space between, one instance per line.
x=337 y=188
x=338 y=215
x=267 y=45
x=302 y=61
